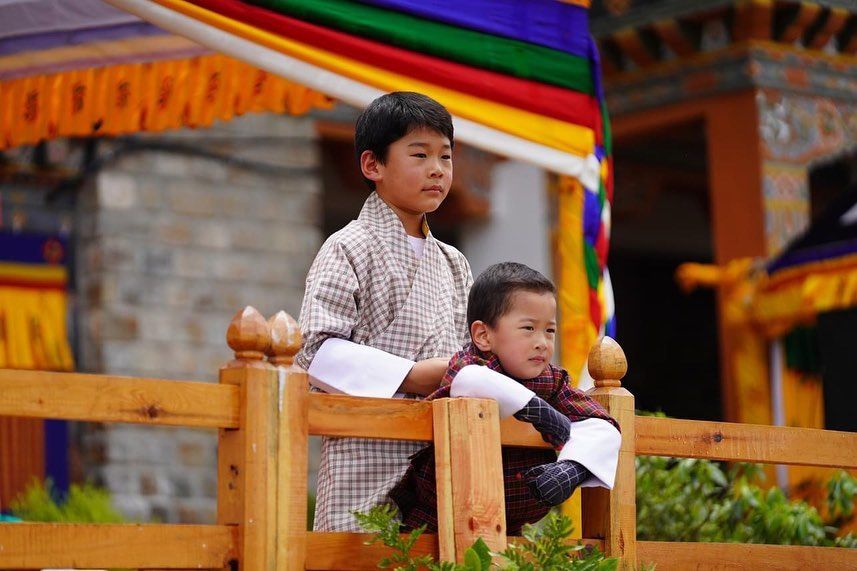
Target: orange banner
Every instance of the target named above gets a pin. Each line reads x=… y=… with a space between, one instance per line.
x=152 y=96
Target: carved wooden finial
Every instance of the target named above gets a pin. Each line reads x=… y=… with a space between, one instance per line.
x=607 y=363
x=286 y=339
x=248 y=335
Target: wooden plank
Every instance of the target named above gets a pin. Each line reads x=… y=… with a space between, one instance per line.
x=230 y=466
x=745 y=442
x=734 y=556
x=292 y=469
x=347 y=551
x=247 y=471
x=259 y=541
x=513 y=432
x=104 y=546
x=396 y=419
x=443 y=480
x=22 y=450
x=612 y=514
x=477 y=474
x=109 y=398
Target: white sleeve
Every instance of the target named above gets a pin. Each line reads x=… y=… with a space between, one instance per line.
x=594 y=442
x=345 y=367
x=481 y=382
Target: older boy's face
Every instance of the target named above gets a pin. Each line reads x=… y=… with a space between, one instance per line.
x=417 y=173
x=523 y=338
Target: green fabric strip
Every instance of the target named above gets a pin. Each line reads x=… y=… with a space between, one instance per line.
x=503 y=55
x=590 y=259
x=607 y=137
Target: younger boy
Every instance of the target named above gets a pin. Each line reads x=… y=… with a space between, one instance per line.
x=512 y=317
x=385 y=302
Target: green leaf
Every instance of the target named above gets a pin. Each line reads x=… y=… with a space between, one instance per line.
x=481 y=549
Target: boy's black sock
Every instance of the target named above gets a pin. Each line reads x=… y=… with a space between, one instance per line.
x=554 y=483
x=553 y=426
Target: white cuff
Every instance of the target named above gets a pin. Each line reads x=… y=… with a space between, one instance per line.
x=594 y=442
x=344 y=367
x=481 y=382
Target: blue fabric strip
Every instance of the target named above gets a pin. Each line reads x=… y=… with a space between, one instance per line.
x=548 y=23
x=810 y=255
x=32 y=248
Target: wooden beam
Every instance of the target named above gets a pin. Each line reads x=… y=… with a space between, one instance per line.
x=349 y=552
x=668 y=555
x=443 y=481
x=836 y=19
x=611 y=514
x=634 y=48
x=753 y=20
x=745 y=442
x=797 y=21
x=109 y=398
x=247 y=457
x=478 y=499
x=671 y=33
x=513 y=432
x=396 y=419
x=293 y=444
x=104 y=546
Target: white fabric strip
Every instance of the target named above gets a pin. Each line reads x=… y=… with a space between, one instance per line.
x=477 y=381
x=586 y=170
x=345 y=367
x=595 y=444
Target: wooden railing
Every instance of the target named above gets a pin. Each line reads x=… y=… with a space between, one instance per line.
x=265 y=415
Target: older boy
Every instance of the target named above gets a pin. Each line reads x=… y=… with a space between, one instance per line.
x=385 y=301
x=512 y=317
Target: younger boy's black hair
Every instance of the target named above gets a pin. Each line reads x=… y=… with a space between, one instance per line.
x=394 y=115
x=491 y=295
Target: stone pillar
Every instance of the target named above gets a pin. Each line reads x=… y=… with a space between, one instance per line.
x=167 y=242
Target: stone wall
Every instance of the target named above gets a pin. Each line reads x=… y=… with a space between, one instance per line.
x=170 y=244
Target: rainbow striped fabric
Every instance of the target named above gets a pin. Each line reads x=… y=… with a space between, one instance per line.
x=521 y=78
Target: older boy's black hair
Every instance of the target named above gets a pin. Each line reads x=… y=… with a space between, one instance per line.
x=491 y=294
x=394 y=115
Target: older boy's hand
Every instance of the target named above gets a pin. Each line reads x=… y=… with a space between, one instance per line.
x=424 y=377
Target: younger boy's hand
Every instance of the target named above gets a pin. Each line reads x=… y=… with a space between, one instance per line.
x=425 y=376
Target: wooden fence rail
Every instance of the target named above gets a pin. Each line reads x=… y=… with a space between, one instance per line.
x=264 y=415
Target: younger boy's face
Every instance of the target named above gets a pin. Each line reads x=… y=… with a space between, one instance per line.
x=417 y=174
x=523 y=338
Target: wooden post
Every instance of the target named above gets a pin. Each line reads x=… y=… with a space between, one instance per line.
x=246 y=458
x=469 y=473
x=293 y=442
x=611 y=515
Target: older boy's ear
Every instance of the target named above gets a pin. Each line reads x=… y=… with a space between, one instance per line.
x=480 y=335
x=370 y=166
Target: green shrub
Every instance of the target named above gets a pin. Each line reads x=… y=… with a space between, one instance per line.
x=83 y=504
x=545 y=547
x=696 y=500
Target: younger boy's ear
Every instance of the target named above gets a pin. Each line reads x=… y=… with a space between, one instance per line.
x=481 y=335
x=370 y=166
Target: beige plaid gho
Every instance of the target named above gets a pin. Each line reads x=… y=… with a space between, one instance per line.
x=367 y=285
